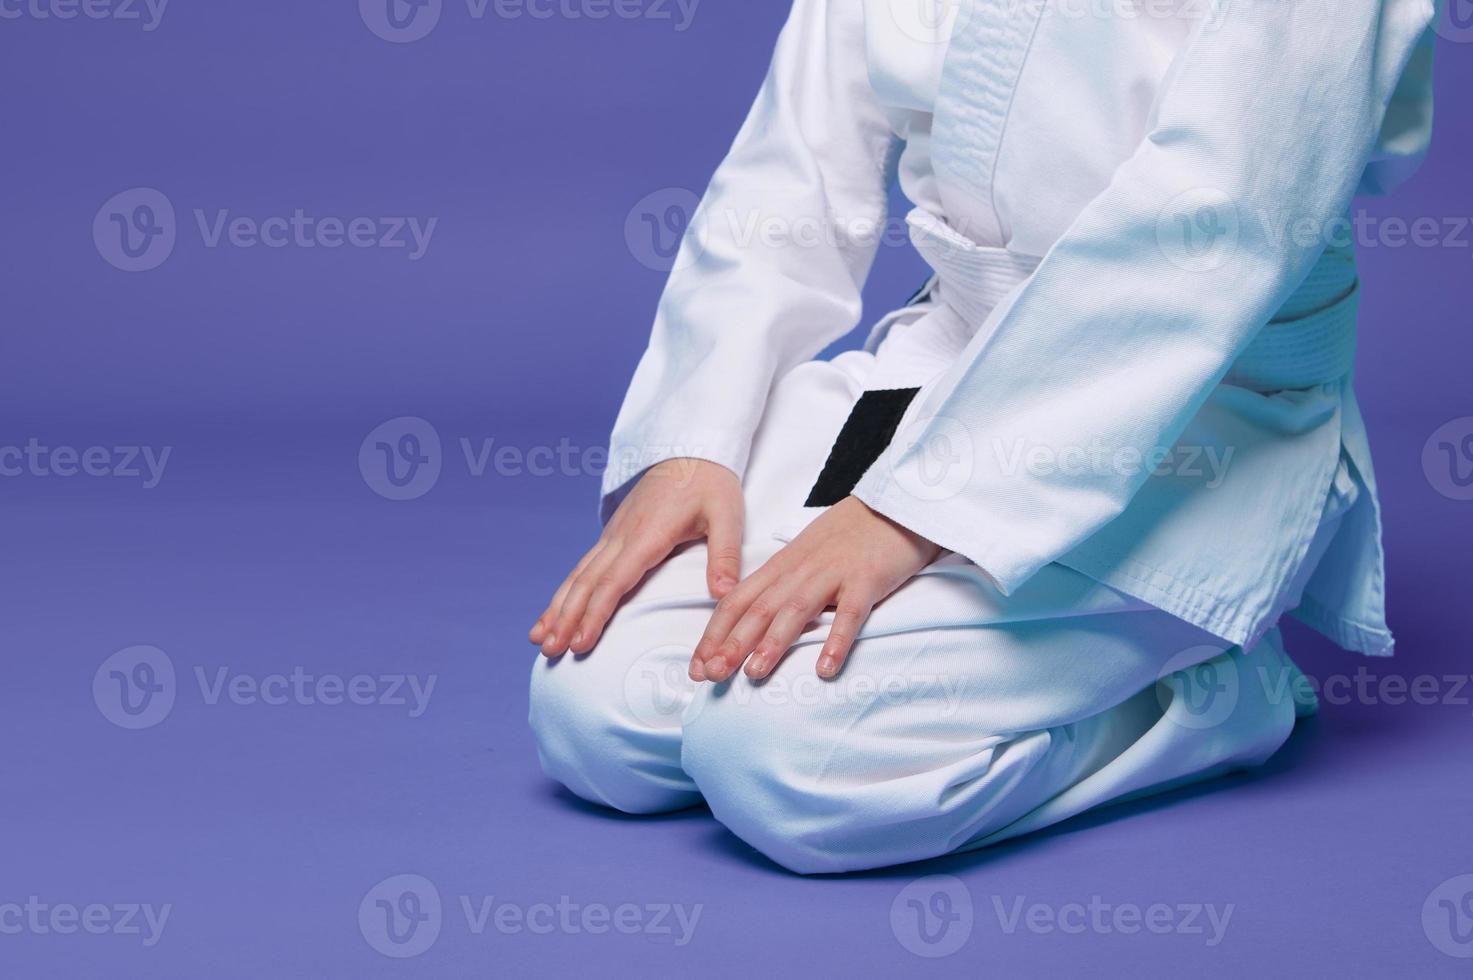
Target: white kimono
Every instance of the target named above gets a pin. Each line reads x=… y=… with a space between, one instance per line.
x=1129 y=418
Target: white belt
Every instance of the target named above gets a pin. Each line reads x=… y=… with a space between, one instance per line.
x=1311 y=341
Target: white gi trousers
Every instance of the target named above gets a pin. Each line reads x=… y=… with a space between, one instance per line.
x=962 y=717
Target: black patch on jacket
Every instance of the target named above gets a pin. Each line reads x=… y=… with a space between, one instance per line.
x=867 y=431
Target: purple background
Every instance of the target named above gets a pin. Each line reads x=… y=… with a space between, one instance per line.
x=263 y=548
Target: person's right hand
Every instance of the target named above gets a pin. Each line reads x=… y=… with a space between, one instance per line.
x=674 y=502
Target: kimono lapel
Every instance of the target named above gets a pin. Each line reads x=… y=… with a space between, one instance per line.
x=989 y=44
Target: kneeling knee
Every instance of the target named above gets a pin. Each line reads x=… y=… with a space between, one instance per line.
x=827 y=787
x=590 y=740
x=770 y=786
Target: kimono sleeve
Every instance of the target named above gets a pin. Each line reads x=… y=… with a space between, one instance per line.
x=1266 y=123
x=773 y=261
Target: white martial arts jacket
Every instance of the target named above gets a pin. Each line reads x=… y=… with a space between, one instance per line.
x=1136 y=207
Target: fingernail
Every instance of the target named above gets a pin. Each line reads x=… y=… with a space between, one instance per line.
x=715 y=667
x=757 y=667
x=577 y=638
x=697 y=671
x=827 y=665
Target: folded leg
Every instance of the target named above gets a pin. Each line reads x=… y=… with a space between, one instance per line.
x=963 y=716
x=944 y=738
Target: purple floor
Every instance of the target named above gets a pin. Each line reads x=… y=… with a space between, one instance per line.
x=269 y=821
x=264 y=826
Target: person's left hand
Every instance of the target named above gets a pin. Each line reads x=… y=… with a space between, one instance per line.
x=850 y=558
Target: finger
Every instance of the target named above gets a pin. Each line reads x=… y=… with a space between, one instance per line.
x=724 y=547
x=544 y=622
x=746 y=634
x=792 y=619
x=548 y=616
x=622 y=576
x=728 y=611
x=576 y=600
x=853 y=609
